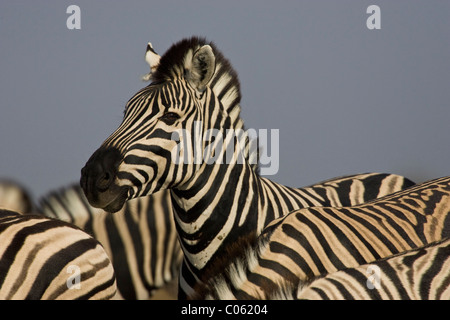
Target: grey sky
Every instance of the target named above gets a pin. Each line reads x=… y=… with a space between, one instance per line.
x=346 y=99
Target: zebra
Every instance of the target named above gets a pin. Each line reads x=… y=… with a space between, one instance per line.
x=195 y=89
x=418 y=274
x=140 y=239
x=313 y=242
x=15 y=197
x=48 y=259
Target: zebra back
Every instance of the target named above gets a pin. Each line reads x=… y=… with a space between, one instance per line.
x=315 y=241
x=43 y=258
x=140 y=239
x=419 y=274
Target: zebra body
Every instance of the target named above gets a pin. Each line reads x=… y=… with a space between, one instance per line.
x=420 y=274
x=195 y=89
x=43 y=258
x=140 y=239
x=313 y=242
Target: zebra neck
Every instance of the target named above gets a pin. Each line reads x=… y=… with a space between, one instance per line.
x=215 y=211
x=225 y=204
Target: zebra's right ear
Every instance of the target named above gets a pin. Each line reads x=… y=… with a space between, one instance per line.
x=152 y=59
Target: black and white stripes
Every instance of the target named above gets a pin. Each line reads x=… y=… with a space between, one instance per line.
x=313 y=242
x=140 y=239
x=419 y=274
x=180 y=173
x=43 y=258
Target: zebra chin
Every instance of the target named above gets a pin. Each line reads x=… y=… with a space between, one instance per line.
x=111 y=200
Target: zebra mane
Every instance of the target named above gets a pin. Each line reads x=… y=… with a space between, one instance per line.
x=226 y=277
x=175 y=63
x=223 y=279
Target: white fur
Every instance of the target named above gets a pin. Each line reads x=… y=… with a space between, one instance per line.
x=152 y=58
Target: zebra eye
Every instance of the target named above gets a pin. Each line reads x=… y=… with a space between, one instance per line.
x=169 y=117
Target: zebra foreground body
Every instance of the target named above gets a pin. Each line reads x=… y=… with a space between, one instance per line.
x=419 y=274
x=195 y=89
x=43 y=258
x=313 y=242
x=140 y=239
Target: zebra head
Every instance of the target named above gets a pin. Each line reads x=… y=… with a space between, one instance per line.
x=193 y=89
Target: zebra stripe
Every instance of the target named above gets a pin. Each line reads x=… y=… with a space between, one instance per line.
x=43 y=258
x=316 y=241
x=214 y=203
x=420 y=274
x=140 y=239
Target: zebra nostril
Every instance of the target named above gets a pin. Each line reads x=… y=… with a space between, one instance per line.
x=99 y=172
x=104 y=181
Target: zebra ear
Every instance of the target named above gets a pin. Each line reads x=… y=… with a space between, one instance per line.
x=202 y=68
x=152 y=59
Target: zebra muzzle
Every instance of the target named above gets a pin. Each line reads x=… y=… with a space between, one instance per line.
x=98 y=180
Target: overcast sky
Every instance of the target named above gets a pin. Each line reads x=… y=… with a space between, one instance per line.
x=346 y=99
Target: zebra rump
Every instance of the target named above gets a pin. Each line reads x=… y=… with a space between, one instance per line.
x=48 y=259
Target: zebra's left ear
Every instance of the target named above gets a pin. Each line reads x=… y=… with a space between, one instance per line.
x=202 y=67
x=152 y=59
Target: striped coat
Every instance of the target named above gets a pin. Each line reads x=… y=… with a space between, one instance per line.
x=313 y=242
x=43 y=258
